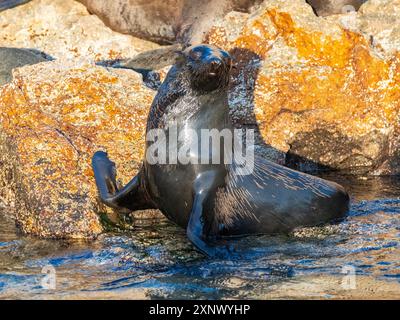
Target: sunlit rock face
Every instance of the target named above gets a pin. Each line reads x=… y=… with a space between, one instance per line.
x=152 y=20
x=322 y=94
x=53 y=117
x=65 y=29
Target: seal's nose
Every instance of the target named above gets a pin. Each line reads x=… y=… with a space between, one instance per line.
x=215 y=65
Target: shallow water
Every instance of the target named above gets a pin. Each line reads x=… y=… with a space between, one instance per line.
x=155 y=259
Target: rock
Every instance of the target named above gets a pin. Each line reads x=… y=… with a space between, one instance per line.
x=49 y=115
x=152 y=20
x=328 y=7
x=165 y=21
x=380 y=21
x=11 y=58
x=8 y=4
x=320 y=95
x=53 y=117
x=65 y=29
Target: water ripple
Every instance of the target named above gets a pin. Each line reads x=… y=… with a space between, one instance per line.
x=157 y=261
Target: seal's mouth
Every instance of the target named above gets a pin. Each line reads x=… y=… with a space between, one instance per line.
x=208 y=77
x=215 y=66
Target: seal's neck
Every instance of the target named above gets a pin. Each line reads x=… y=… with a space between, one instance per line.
x=206 y=111
x=176 y=102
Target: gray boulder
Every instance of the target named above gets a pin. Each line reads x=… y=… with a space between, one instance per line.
x=330 y=7
x=11 y=58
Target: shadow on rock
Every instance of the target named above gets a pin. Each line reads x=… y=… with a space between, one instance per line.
x=241 y=98
x=11 y=58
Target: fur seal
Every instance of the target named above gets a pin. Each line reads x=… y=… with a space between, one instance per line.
x=11 y=58
x=210 y=200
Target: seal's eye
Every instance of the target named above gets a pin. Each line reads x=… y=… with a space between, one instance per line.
x=215 y=63
x=195 y=54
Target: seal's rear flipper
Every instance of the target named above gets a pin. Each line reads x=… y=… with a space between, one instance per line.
x=129 y=198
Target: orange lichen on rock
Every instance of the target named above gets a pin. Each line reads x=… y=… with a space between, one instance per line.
x=309 y=80
x=257 y=36
x=344 y=93
x=53 y=117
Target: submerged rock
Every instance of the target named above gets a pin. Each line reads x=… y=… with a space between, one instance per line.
x=322 y=96
x=53 y=117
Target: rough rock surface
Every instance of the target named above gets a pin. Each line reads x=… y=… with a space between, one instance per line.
x=65 y=29
x=380 y=21
x=53 y=117
x=49 y=116
x=321 y=95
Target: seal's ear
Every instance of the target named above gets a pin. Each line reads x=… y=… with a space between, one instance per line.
x=186 y=45
x=180 y=56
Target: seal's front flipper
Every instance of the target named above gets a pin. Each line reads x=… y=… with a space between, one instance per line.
x=199 y=229
x=129 y=198
x=105 y=175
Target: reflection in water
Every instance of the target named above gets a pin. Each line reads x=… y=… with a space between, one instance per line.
x=157 y=261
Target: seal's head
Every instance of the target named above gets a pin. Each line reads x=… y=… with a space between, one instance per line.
x=208 y=67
